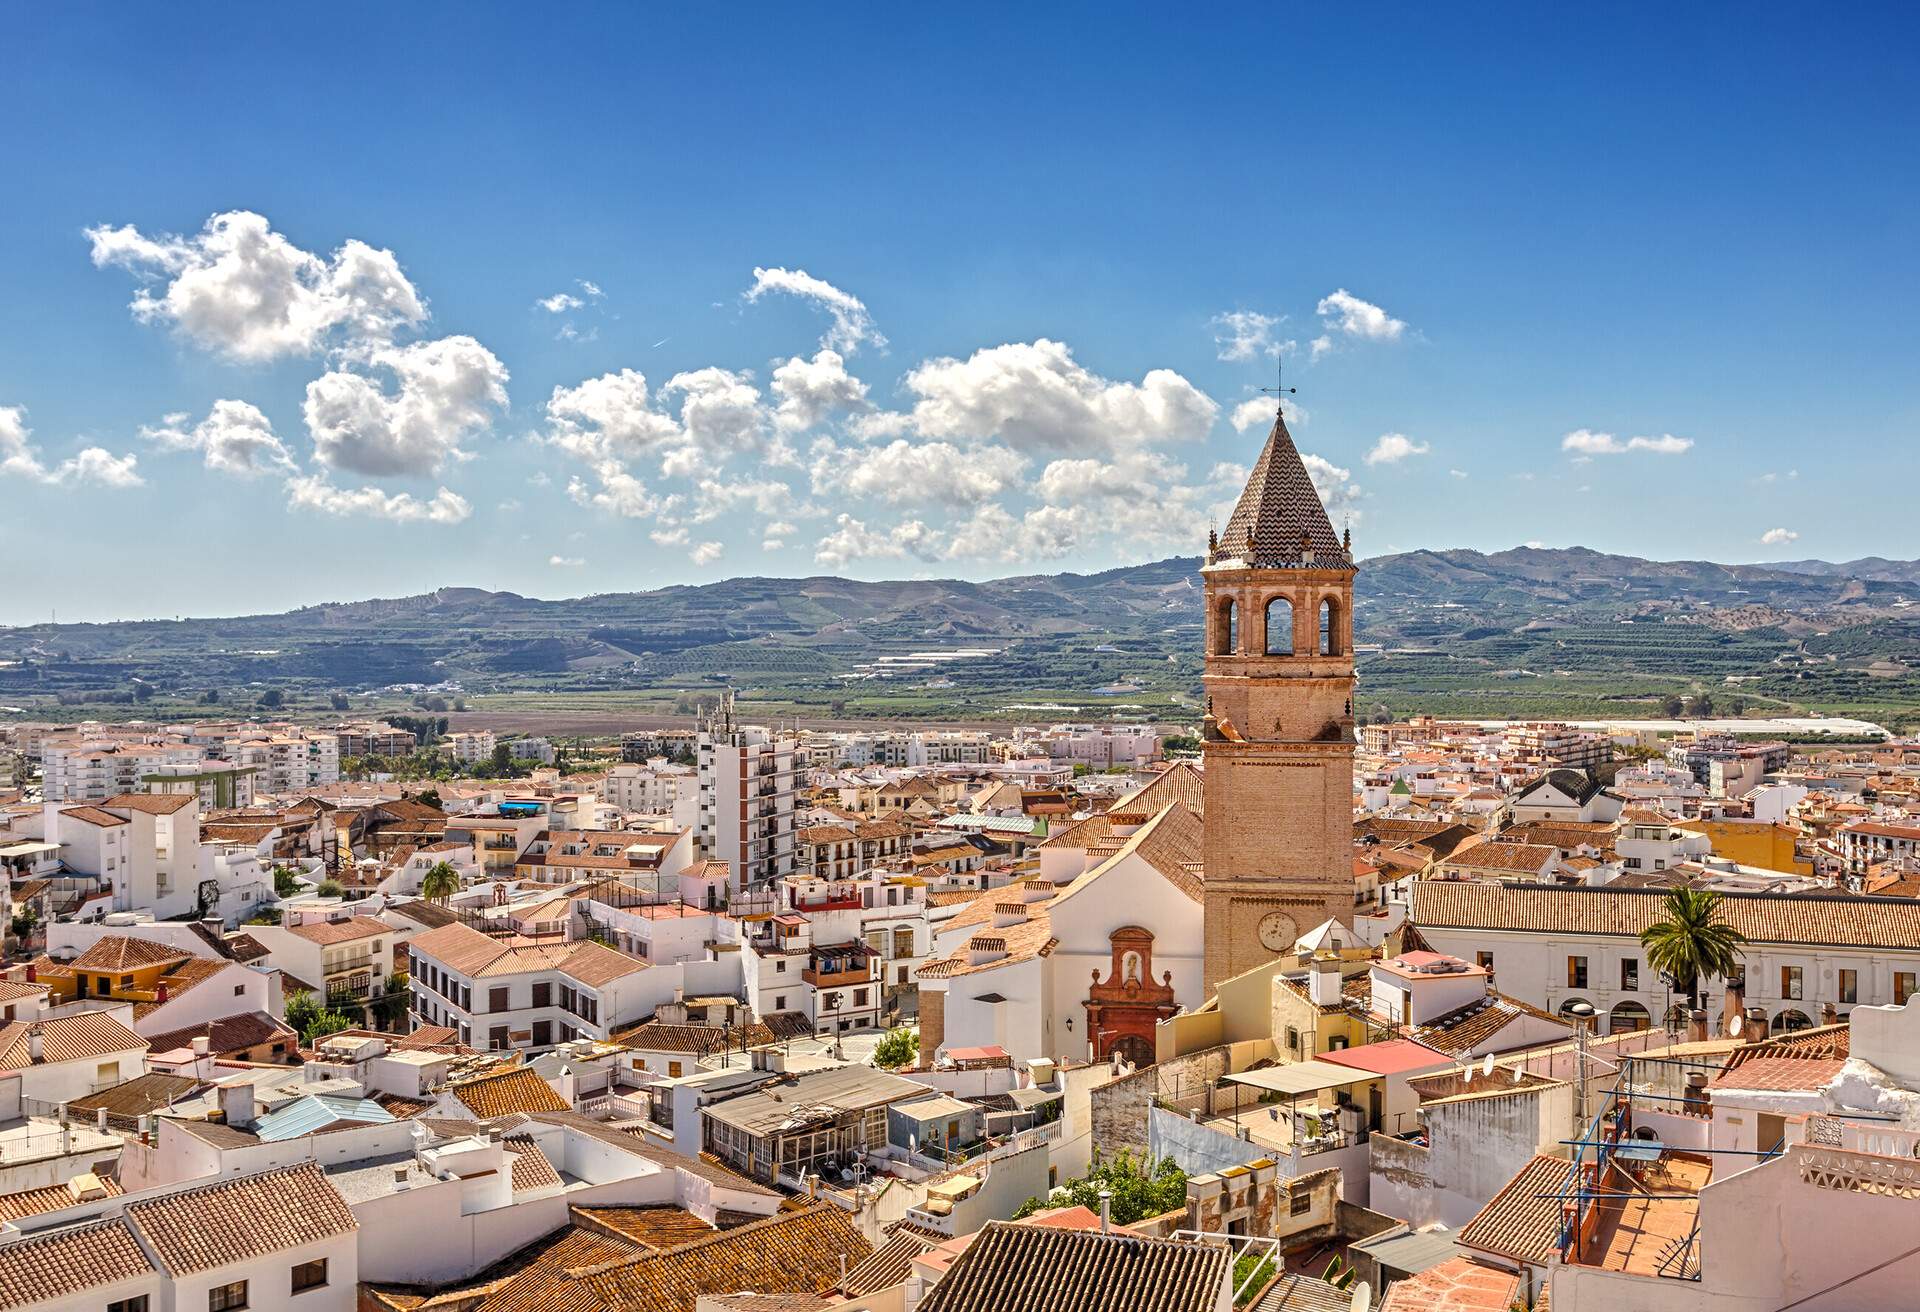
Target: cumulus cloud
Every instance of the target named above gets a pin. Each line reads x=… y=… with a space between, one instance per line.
x=313 y=492
x=1258 y=413
x=852 y=540
x=810 y=391
x=1036 y=396
x=852 y=326
x=1240 y=335
x=559 y=303
x=706 y=553
x=609 y=417
x=95 y=466
x=1392 y=448
x=566 y=562
x=1349 y=316
x=239 y=288
x=776 y=535
x=234 y=438
x=1338 y=492
x=447 y=392
x=1586 y=442
x=1457 y=473
x=619 y=492
x=1778 y=537
x=904 y=472
x=720 y=415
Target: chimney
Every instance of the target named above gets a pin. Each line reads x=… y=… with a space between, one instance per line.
x=1323 y=986
x=33 y=973
x=400 y=1180
x=202 y=1046
x=1755 y=1028
x=1829 y=1014
x=1697 y=1096
x=36 y=1046
x=1697 y=1025
x=100 y=1120
x=1106 y=1211
x=236 y=1104
x=160 y=992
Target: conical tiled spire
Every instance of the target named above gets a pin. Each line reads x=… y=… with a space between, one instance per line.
x=1279 y=516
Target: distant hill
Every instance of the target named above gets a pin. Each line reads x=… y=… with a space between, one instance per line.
x=802 y=640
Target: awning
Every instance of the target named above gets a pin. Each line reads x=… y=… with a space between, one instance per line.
x=1300 y=1077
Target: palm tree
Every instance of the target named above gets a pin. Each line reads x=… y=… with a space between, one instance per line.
x=440 y=883
x=1692 y=942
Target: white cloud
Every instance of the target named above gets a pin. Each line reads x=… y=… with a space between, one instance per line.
x=904 y=472
x=1586 y=442
x=609 y=417
x=720 y=415
x=1035 y=396
x=1774 y=477
x=1347 y=314
x=559 y=303
x=1258 y=413
x=1392 y=448
x=670 y=537
x=811 y=390
x=777 y=534
x=591 y=288
x=853 y=326
x=313 y=492
x=706 y=553
x=1778 y=537
x=240 y=288
x=1338 y=492
x=20 y=458
x=448 y=391
x=566 y=562
x=852 y=540
x=1457 y=473
x=1240 y=335
x=620 y=493
x=714 y=497
x=234 y=438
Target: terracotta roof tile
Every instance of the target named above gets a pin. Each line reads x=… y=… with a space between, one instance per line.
x=1515 y=1223
x=117 y=952
x=1019 y=1268
x=328 y=932
x=241 y=1219
x=531 y=1169
x=53 y=1198
x=793 y=1252
x=83 y=1036
x=518 y=1089
x=67 y=1263
x=1279 y=511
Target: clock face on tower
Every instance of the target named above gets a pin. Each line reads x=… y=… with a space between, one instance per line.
x=1277 y=931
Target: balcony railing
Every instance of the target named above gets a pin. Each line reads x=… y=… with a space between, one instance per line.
x=828 y=979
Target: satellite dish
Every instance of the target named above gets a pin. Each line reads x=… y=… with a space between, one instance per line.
x=1466 y=1075
x=1735 y=1023
x=1486 y=1067
x=1362 y=1298
x=1519 y=1073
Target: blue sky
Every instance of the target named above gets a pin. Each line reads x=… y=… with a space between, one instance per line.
x=1516 y=243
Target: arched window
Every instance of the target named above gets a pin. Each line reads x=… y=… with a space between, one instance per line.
x=1790 y=1020
x=1628 y=1017
x=1279 y=627
x=1329 y=628
x=1226 y=636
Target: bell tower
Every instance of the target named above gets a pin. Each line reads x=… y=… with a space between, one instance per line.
x=1278 y=733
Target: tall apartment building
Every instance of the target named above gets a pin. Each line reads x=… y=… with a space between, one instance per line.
x=470 y=748
x=369 y=738
x=1751 y=761
x=1548 y=744
x=655 y=788
x=747 y=778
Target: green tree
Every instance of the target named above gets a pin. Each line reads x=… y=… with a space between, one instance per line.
x=898 y=1048
x=211 y=697
x=429 y=797
x=1671 y=706
x=143 y=692
x=1138 y=1191
x=440 y=883
x=501 y=763
x=1179 y=742
x=331 y=888
x=1691 y=942
x=393 y=1003
x=273 y=699
x=338 y=701
x=285 y=883
x=1701 y=706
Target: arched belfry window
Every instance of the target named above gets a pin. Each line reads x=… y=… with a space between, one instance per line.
x=1279 y=639
x=1329 y=628
x=1226 y=636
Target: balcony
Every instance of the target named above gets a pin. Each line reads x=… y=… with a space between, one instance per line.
x=846 y=976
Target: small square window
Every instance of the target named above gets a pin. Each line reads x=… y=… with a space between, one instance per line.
x=1299 y=1204
x=310 y=1275
x=227 y=1298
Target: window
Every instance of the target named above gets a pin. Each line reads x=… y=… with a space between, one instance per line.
x=1849 y=986
x=1576 y=972
x=1299 y=1204
x=239 y=990
x=1629 y=972
x=1329 y=630
x=1226 y=634
x=779 y=1002
x=780 y=966
x=542 y=1033
x=227 y=1298
x=107 y=1072
x=859 y=997
x=543 y=994
x=497 y=1037
x=1293 y=1039
x=310 y=1275
x=138 y=1303
x=497 y=1000
x=1484 y=960
x=1279 y=627
x=1902 y=987
x=1790 y=982
x=673 y=1070
x=126 y=981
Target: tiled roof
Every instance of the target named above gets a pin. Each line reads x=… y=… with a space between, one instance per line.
x=151 y=803
x=1458 y=1284
x=67 y=1263
x=1528 y=857
x=887 y=1267
x=137 y=1096
x=1021 y=1268
x=656 y=1228
x=1798 y=1074
x=186 y=975
x=790 y=1253
x=248 y=1029
x=531 y=1169
x=1179 y=782
x=242 y=1219
x=93 y=815
x=1477 y=1023
x=595 y=964
x=327 y=932
x=114 y=952
x=1295 y=1291
x=32 y=1202
x=66 y=1038
x=1279 y=510
x=1515 y=1223
x=517 y=1089
x=660 y=1036
x=536 y=1278
x=1816 y=921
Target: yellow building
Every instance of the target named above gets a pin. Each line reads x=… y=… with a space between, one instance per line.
x=1289 y=1007
x=1759 y=843
x=118 y=967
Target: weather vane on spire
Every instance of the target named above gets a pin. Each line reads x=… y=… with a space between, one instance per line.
x=1279 y=391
